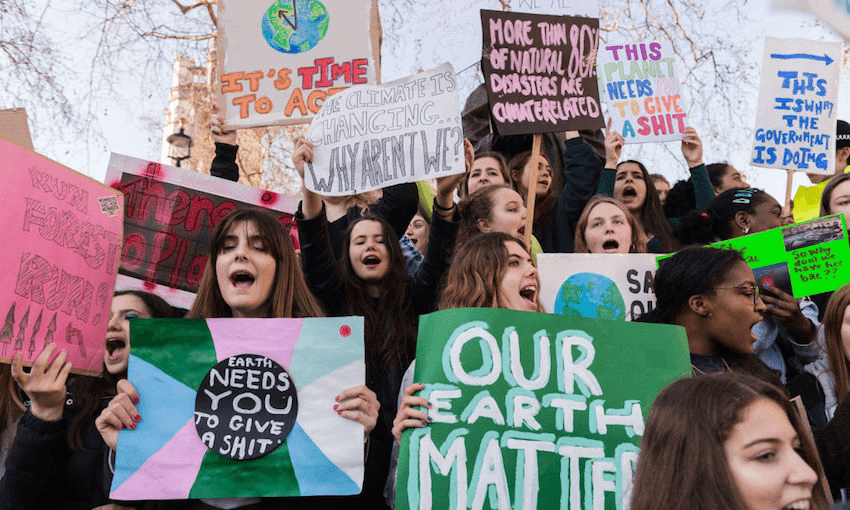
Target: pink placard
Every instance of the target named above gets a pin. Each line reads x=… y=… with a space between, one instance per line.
x=64 y=232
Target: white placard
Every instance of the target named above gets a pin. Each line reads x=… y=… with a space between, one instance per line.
x=374 y=136
x=640 y=83
x=795 y=122
x=597 y=286
x=278 y=61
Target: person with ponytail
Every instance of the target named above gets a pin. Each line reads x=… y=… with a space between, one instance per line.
x=607 y=226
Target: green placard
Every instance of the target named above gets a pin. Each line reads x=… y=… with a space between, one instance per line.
x=806 y=257
x=532 y=410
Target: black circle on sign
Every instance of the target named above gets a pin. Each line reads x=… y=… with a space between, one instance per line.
x=246 y=407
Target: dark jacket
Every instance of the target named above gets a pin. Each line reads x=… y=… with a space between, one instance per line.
x=581 y=177
x=703 y=192
x=833 y=444
x=42 y=471
x=320 y=269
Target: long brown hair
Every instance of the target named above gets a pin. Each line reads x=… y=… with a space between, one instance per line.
x=638 y=237
x=87 y=392
x=475 y=275
x=682 y=464
x=542 y=208
x=833 y=317
x=291 y=297
x=11 y=404
x=391 y=325
x=652 y=218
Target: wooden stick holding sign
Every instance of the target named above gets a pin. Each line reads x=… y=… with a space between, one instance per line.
x=807 y=437
x=788 y=188
x=532 y=189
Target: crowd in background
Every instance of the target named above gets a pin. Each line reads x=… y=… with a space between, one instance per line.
x=726 y=438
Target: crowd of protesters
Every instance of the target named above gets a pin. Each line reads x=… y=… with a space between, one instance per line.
x=725 y=438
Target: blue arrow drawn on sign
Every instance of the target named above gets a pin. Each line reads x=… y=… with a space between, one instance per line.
x=825 y=57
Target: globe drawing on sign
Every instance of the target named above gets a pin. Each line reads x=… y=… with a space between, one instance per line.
x=295 y=26
x=592 y=296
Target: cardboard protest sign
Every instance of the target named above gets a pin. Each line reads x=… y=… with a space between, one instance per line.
x=279 y=60
x=442 y=32
x=168 y=221
x=15 y=128
x=532 y=410
x=540 y=72
x=803 y=259
x=65 y=233
x=641 y=85
x=249 y=405
x=597 y=286
x=796 y=118
x=375 y=136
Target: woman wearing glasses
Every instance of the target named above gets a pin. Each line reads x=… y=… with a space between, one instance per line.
x=712 y=293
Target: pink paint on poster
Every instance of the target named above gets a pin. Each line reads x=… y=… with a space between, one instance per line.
x=274 y=339
x=185 y=448
x=59 y=271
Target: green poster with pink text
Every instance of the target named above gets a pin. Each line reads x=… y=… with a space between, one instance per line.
x=532 y=410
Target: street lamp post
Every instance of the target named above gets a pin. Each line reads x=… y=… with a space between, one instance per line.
x=179 y=146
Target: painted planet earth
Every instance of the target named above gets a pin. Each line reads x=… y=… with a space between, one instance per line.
x=592 y=296
x=295 y=26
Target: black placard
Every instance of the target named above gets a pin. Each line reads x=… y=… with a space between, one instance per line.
x=246 y=407
x=540 y=72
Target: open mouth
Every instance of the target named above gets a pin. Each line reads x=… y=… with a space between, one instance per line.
x=629 y=192
x=610 y=244
x=115 y=348
x=413 y=240
x=521 y=231
x=372 y=260
x=798 y=505
x=529 y=293
x=242 y=279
